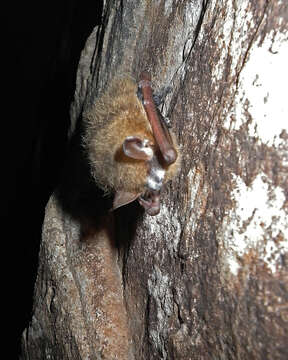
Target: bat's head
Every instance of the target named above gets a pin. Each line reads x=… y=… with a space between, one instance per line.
x=158 y=172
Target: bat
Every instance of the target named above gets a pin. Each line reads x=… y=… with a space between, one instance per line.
x=131 y=152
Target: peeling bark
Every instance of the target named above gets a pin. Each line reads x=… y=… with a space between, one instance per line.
x=207 y=278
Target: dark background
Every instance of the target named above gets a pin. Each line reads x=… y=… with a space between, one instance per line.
x=45 y=42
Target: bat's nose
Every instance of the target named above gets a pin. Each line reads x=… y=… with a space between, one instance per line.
x=150 y=202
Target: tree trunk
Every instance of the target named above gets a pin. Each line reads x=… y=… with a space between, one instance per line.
x=207 y=278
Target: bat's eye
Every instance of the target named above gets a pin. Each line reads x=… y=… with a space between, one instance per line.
x=147 y=143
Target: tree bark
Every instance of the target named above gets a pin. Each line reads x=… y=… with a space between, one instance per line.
x=207 y=278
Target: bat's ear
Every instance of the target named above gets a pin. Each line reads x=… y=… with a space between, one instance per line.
x=136 y=148
x=122 y=198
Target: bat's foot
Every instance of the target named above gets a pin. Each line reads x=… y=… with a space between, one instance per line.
x=159 y=97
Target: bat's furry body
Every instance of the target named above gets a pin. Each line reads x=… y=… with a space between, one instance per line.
x=115 y=116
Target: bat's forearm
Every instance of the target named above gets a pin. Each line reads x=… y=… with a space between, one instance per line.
x=161 y=135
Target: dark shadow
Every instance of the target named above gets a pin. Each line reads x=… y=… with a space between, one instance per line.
x=77 y=192
x=46 y=41
x=126 y=219
x=80 y=197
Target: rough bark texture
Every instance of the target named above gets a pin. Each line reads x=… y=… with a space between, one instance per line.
x=207 y=278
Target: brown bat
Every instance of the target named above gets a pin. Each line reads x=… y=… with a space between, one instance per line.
x=130 y=150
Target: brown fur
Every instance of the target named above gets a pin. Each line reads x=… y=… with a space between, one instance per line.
x=116 y=114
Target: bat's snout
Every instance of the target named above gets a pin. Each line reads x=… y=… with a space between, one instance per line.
x=150 y=202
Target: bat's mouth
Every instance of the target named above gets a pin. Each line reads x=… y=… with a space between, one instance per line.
x=150 y=201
